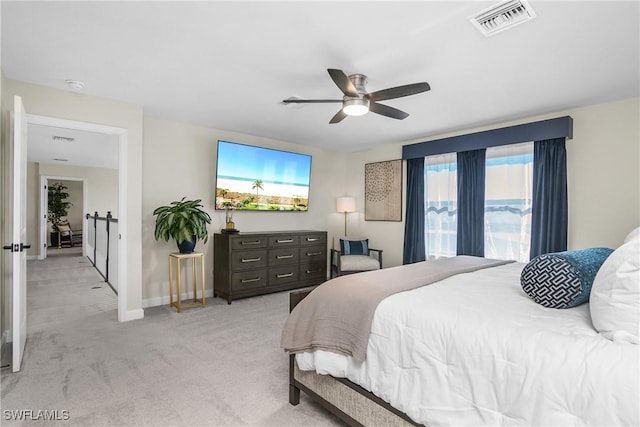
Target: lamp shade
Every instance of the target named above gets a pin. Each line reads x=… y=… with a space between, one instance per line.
x=345 y=204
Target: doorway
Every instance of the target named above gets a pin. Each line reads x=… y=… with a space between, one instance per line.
x=50 y=239
x=119 y=135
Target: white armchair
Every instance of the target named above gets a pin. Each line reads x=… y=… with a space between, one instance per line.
x=353 y=256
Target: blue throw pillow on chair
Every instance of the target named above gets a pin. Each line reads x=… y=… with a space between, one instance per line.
x=354 y=247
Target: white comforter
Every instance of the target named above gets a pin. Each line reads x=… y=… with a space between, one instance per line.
x=475 y=350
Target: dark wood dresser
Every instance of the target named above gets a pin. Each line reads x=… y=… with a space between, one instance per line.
x=250 y=264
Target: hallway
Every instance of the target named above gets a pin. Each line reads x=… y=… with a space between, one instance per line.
x=65 y=287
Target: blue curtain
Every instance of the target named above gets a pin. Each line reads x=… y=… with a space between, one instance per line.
x=549 y=216
x=471 y=182
x=413 y=250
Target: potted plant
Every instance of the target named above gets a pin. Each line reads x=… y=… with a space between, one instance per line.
x=183 y=221
x=57 y=207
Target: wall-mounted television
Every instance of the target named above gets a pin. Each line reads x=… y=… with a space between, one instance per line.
x=261 y=179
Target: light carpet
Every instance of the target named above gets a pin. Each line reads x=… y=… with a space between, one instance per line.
x=215 y=366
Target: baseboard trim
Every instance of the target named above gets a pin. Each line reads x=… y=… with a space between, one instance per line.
x=32 y=257
x=133 y=315
x=164 y=300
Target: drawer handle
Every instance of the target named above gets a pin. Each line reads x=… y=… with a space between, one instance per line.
x=255 y=242
x=284 y=256
x=312 y=271
x=281 y=276
x=312 y=239
x=313 y=253
x=250 y=259
x=257 y=279
x=284 y=241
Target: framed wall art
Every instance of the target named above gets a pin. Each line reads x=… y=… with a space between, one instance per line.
x=383 y=191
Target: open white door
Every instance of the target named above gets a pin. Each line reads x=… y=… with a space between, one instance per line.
x=18 y=185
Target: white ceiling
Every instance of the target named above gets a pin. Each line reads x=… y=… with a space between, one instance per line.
x=227 y=65
x=87 y=149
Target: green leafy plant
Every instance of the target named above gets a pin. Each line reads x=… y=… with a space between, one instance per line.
x=181 y=221
x=57 y=205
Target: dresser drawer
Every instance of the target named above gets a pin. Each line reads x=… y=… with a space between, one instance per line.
x=249 y=242
x=249 y=280
x=317 y=271
x=283 y=256
x=309 y=254
x=244 y=260
x=284 y=240
x=313 y=239
x=250 y=264
x=282 y=275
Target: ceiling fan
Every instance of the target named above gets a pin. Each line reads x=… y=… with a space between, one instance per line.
x=357 y=101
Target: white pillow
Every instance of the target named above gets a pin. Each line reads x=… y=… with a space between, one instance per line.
x=634 y=235
x=615 y=295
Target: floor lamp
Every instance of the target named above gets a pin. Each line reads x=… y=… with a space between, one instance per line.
x=345 y=205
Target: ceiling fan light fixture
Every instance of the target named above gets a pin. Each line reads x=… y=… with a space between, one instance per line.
x=356 y=106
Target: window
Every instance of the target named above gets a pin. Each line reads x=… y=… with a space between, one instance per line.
x=508 y=192
x=507 y=209
x=440 y=205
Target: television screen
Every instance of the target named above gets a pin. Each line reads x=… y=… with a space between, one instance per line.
x=261 y=179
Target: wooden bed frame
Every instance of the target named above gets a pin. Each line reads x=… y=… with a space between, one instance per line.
x=348 y=401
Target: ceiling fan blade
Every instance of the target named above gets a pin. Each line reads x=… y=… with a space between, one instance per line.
x=310 y=101
x=342 y=81
x=340 y=115
x=399 y=91
x=385 y=110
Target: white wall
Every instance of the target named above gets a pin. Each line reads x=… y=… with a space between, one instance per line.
x=603 y=177
x=180 y=161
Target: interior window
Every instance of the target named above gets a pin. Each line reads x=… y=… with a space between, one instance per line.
x=508 y=192
x=440 y=205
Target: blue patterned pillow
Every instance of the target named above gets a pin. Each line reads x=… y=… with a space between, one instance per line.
x=354 y=247
x=562 y=279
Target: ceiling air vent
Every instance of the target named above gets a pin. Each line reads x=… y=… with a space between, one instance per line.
x=502 y=16
x=63 y=138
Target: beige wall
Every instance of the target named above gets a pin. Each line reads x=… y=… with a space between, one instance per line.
x=74 y=213
x=102 y=195
x=40 y=100
x=102 y=185
x=180 y=161
x=603 y=177
x=604 y=174
x=33 y=209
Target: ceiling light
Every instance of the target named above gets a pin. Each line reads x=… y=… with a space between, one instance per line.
x=75 y=85
x=356 y=106
x=60 y=160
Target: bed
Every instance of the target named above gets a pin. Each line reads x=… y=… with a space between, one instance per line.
x=470 y=349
